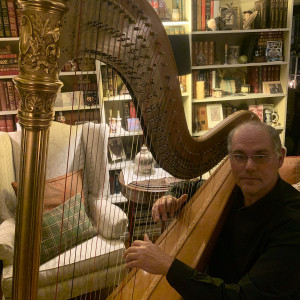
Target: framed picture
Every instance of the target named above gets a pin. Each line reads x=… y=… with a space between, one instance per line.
x=274 y=51
x=230 y=17
x=116 y=149
x=272 y=87
x=214 y=114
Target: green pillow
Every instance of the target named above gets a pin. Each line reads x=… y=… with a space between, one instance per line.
x=58 y=237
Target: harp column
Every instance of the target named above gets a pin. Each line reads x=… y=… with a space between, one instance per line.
x=38 y=85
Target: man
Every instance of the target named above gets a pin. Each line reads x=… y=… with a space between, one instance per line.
x=258 y=253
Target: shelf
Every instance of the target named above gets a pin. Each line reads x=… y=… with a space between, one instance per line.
x=200 y=133
x=8 y=112
x=125 y=133
x=239 y=97
x=238 y=31
x=9 y=39
x=7 y=76
x=118 y=165
x=225 y=66
x=75 y=108
x=117 y=98
x=77 y=73
x=172 y=23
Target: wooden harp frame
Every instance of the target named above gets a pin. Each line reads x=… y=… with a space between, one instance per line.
x=145 y=62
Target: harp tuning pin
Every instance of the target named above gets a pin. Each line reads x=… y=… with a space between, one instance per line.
x=162 y=53
x=136 y=28
x=165 y=64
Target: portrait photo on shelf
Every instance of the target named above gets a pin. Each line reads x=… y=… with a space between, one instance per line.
x=229 y=17
x=272 y=87
x=116 y=149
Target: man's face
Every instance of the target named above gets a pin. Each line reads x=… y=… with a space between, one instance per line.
x=254 y=179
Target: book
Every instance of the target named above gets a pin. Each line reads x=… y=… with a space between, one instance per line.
x=132 y=111
x=274 y=51
x=2 y=97
x=126 y=113
x=5 y=18
x=3 y=126
x=202 y=116
x=6 y=95
x=12 y=18
x=11 y=94
x=10 y=126
x=2 y=32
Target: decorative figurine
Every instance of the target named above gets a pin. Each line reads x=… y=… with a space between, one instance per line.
x=248 y=18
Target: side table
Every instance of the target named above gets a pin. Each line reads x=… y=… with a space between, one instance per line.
x=141 y=195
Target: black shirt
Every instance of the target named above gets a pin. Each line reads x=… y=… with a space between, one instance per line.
x=257 y=255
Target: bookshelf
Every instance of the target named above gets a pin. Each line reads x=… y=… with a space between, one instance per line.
x=221 y=71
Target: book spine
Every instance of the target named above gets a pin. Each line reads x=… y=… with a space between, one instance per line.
x=12 y=18
x=194 y=14
x=3 y=124
x=203 y=15
x=132 y=111
x=10 y=126
x=5 y=18
x=2 y=97
x=10 y=72
x=2 y=31
x=216 y=9
x=272 y=13
x=199 y=15
x=11 y=95
x=207 y=12
x=6 y=95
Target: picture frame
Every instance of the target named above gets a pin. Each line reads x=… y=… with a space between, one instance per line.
x=116 y=149
x=230 y=18
x=272 y=87
x=214 y=114
x=274 y=51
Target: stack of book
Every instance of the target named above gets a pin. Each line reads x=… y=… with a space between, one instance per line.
x=8 y=123
x=10 y=16
x=8 y=62
x=9 y=96
x=203 y=53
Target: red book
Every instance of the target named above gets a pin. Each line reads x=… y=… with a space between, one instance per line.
x=10 y=123
x=203 y=15
x=3 y=124
x=12 y=72
x=12 y=18
x=17 y=97
x=132 y=112
x=9 y=55
x=2 y=97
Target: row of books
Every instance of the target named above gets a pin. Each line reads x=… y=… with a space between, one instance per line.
x=260 y=47
x=8 y=123
x=203 y=53
x=112 y=83
x=8 y=61
x=232 y=82
x=9 y=96
x=202 y=11
x=278 y=13
x=78 y=117
x=10 y=18
x=206 y=116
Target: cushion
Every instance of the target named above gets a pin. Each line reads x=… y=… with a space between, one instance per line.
x=60 y=188
x=110 y=221
x=290 y=170
x=60 y=234
x=7 y=238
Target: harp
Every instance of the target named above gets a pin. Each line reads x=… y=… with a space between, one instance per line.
x=128 y=36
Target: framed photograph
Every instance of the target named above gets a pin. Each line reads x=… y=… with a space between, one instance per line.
x=272 y=87
x=230 y=18
x=274 y=51
x=116 y=149
x=214 y=114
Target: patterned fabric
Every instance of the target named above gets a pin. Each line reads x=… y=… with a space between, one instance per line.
x=59 y=235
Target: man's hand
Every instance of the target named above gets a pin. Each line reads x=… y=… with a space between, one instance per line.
x=148 y=257
x=167 y=205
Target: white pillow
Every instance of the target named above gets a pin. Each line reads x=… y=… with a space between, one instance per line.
x=7 y=240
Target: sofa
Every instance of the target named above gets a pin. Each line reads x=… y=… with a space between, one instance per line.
x=94 y=263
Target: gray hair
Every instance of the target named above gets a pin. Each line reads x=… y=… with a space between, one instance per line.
x=273 y=133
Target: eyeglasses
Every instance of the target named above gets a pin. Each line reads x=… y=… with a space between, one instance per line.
x=259 y=159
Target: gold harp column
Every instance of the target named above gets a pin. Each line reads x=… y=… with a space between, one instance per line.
x=38 y=85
